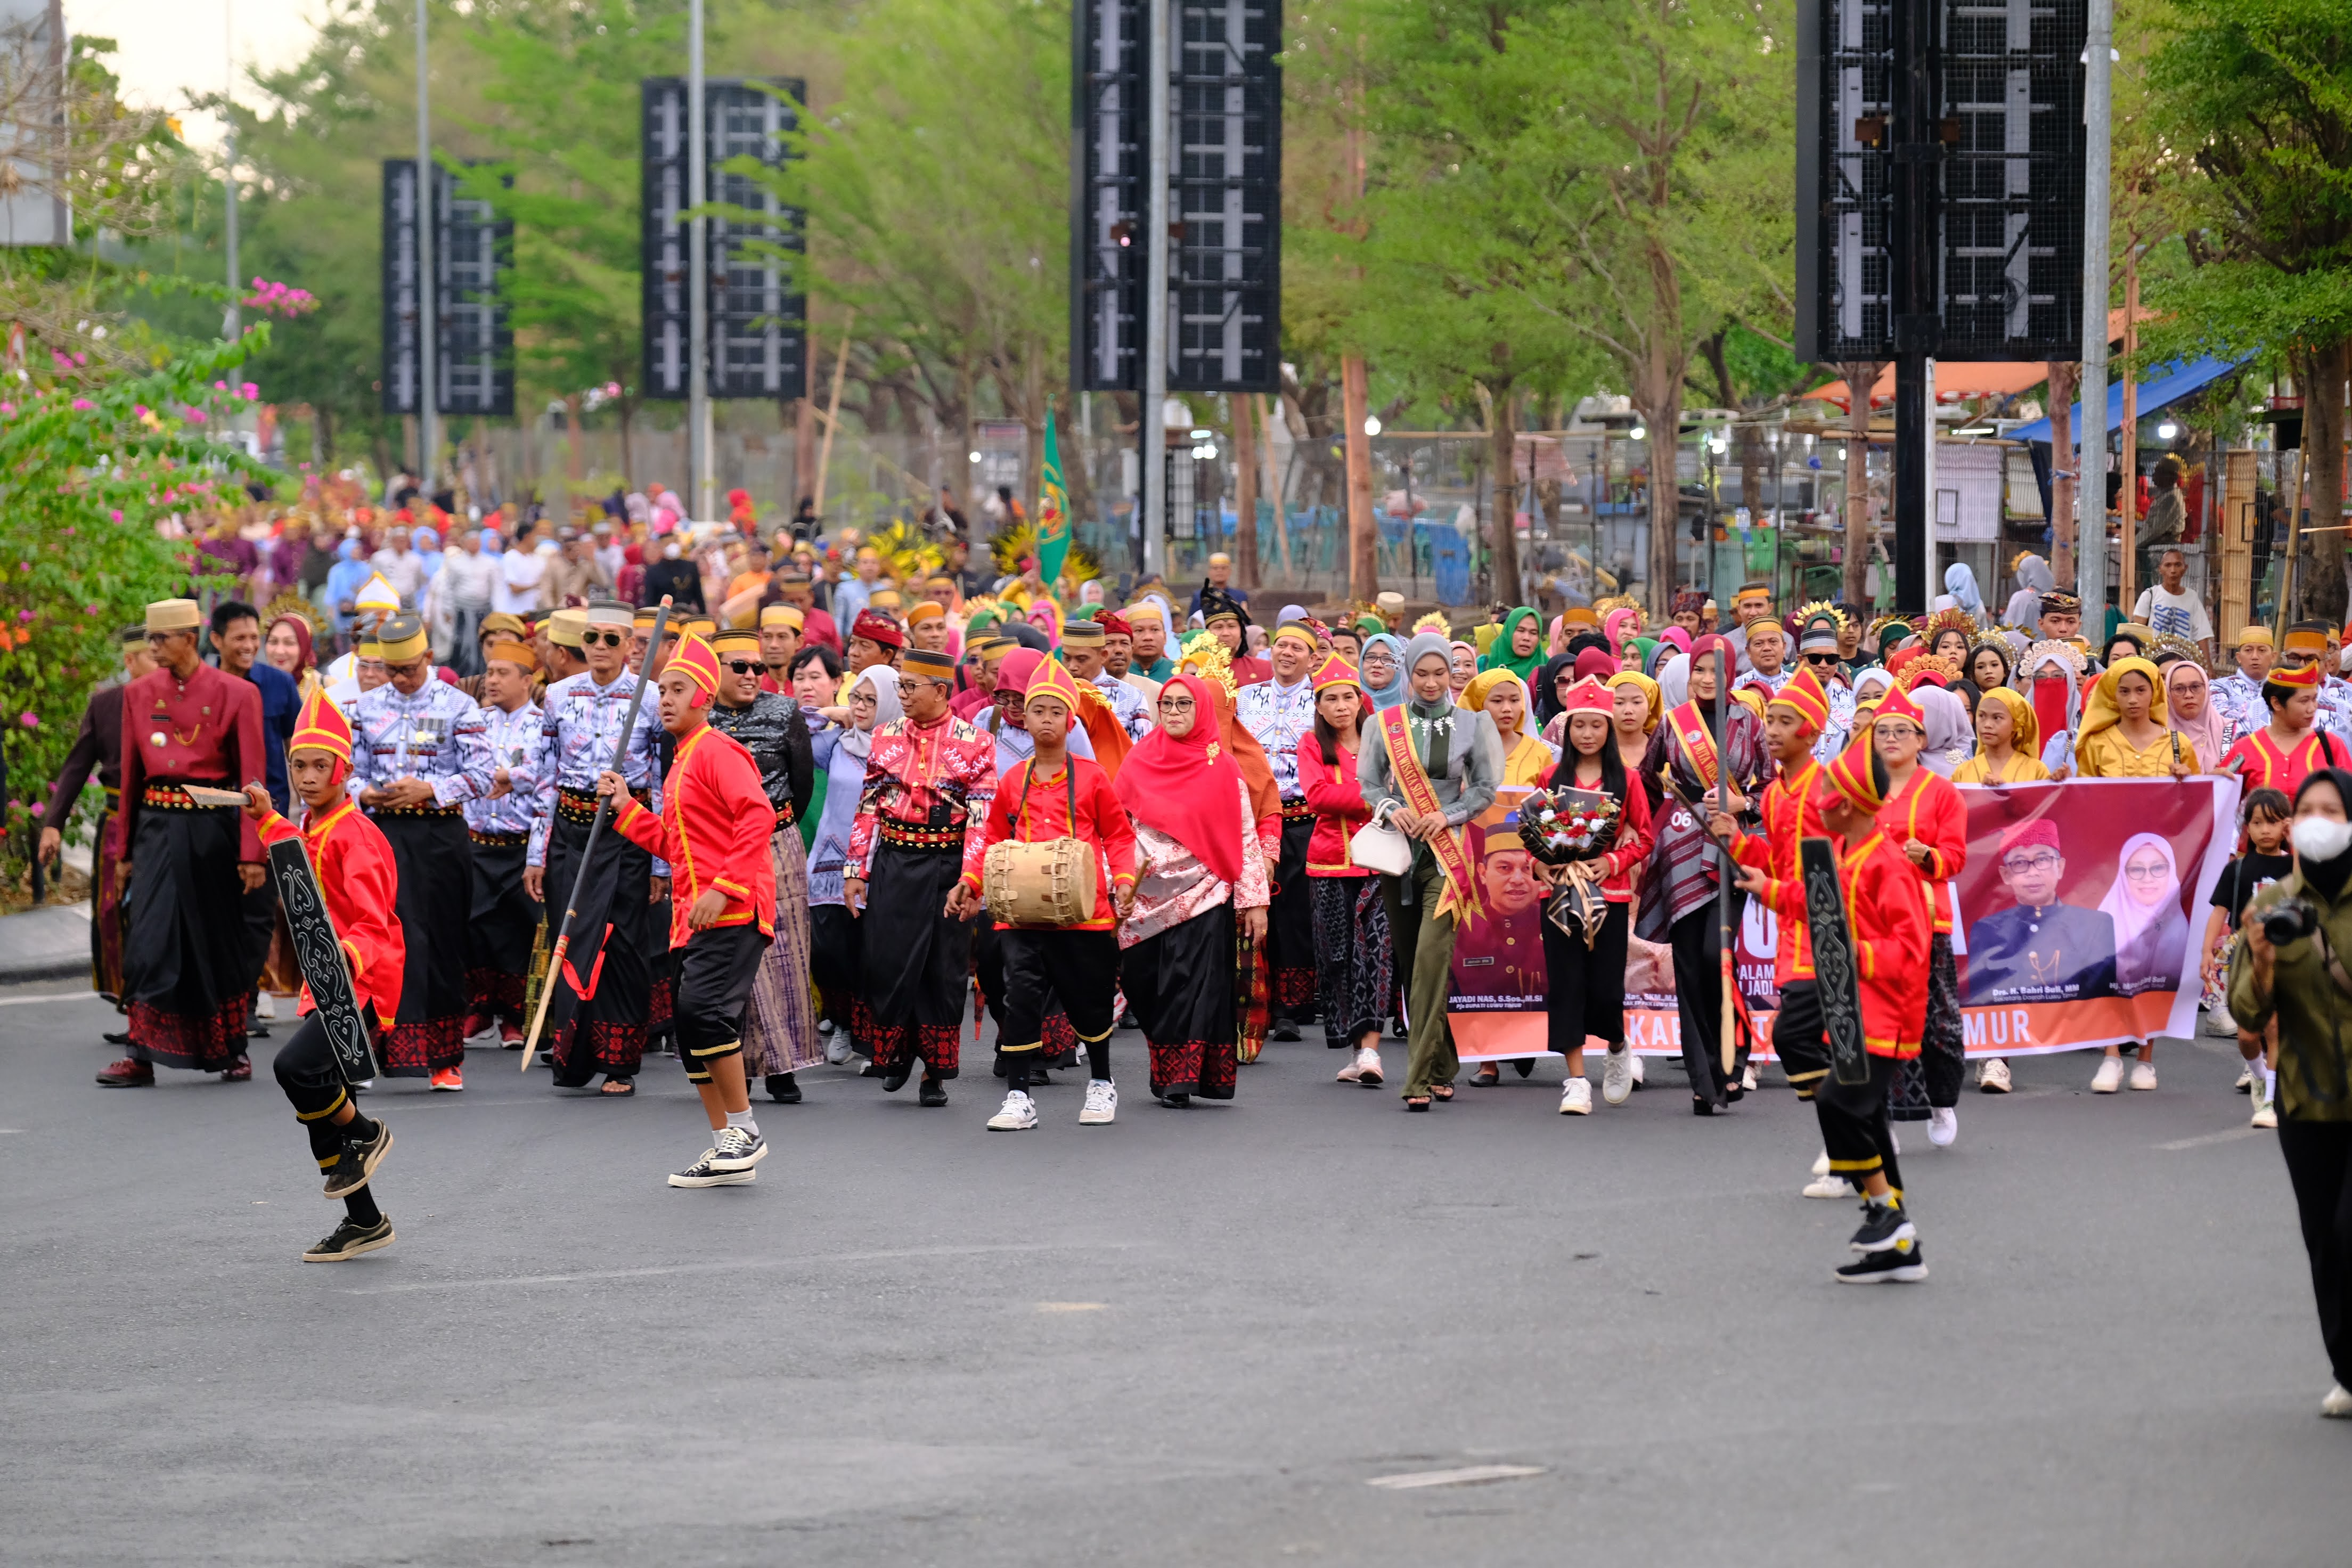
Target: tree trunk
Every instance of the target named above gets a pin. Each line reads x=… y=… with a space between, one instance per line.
x=1261 y=426
x=2064 y=376
x=2320 y=581
x=1245 y=433
x=575 y=462
x=1860 y=378
x=325 y=438
x=1033 y=414
x=1503 y=530
x=1363 y=539
x=804 y=450
x=1658 y=399
x=628 y=418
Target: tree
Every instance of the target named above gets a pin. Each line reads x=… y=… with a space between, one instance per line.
x=2257 y=94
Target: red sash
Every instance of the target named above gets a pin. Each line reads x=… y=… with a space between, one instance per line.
x=1460 y=899
x=1689 y=724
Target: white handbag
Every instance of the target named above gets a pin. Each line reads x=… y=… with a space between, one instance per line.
x=1377 y=846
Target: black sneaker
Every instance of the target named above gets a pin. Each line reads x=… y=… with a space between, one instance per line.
x=705 y=1172
x=782 y=1090
x=349 y=1240
x=736 y=1150
x=895 y=1077
x=358 y=1161
x=1282 y=1029
x=1902 y=1264
x=1883 y=1225
x=933 y=1092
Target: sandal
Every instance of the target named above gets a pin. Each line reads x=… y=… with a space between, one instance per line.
x=617 y=1088
x=1486 y=1077
x=1441 y=1092
x=1416 y=1102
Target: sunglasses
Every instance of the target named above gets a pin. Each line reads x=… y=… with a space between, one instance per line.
x=602 y=640
x=1821 y=659
x=745 y=665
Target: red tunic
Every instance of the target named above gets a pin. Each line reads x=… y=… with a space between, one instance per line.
x=207 y=731
x=1045 y=815
x=1886 y=910
x=713 y=830
x=2262 y=761
x=1635 y=836
x=1790 y=812
x=1338 y=802
x=361 y=884
x=1929 y=809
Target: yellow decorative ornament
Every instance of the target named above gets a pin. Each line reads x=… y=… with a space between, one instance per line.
x=1823 y=607
x=1207 y=657
x=1011 y=546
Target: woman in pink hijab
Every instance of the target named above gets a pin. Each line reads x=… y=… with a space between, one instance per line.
x=2189 y=710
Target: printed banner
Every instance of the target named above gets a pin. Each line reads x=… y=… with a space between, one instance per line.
x=2079 y=913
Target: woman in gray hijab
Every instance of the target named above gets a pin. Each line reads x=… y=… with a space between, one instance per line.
x=1949 y=738
x=2034 y=579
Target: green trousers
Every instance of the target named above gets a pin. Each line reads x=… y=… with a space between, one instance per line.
x=1424 y=956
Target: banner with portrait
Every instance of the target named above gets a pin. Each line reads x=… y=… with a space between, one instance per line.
x=2079 y=912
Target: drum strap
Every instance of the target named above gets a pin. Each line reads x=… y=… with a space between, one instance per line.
x=1069 y=778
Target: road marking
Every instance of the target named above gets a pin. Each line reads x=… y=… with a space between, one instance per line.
x=738 y=1264
x=1071 y=1307
x=2210 y=1138
x=1475 y=1475
x=60 y=996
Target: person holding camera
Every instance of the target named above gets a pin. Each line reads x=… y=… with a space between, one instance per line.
x=2290 y=967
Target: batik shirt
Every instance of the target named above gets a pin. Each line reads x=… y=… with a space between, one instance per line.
x=579 y=734
x=1840 y=728
x=915 y=767
x=1125 y=701
x=514 y=740
x=1278 y=715
x=2334 y=706
x=1016 y=746
x=2238 y=697
x=435 y=734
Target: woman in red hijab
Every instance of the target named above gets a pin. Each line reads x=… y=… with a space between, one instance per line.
x=1201 y=884
x=287 y=647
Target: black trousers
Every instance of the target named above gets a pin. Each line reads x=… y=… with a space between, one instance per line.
x=714 y=972
x=306 y=1070
x=1290 y=926
x=1801 y=1039
x=1697 y=939
x=2319 y=1164
x=1079 y=968
x=1588 y=983
x=1854 y=1125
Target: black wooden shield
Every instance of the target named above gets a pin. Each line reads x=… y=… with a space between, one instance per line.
x=321 y=955
x=1833 y=967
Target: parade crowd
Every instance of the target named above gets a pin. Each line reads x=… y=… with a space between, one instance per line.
x=877 y=791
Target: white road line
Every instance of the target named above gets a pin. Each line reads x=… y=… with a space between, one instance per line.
x=1475 y=1475
x=739 y=1264
x=61 y=996
x=2208 y=1140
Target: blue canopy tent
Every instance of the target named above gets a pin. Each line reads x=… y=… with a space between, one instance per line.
x=2169 y=385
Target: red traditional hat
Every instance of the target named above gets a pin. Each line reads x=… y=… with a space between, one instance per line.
x=1897 y=704
x=1588 y=696
x=2300 y=678
x=1803 y=696
x=1851 y=775
x=322 y=726
x=1052 y=679
x=1114 y=624
x=876 y=627
x=1335 y=672
x=698 y=662
x=2035 y=830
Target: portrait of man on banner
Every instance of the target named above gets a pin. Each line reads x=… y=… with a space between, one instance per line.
x=2039 y=948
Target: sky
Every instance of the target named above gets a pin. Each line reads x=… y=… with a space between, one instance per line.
x=172 y=49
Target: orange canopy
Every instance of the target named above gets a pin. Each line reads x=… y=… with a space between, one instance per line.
x=1965 y=378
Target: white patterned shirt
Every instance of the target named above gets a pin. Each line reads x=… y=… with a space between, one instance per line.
x=1134 y=716
x=435 y=734
x=579 y=736
x=1278 y=715
x=514 y=745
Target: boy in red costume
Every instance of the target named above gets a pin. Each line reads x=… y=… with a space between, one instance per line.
x=1057 y=796
x=355 y=872
x=1888 y=921
x=1927 y=821
x=713 y=831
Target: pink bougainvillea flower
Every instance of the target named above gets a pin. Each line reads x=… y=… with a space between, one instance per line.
x=196 y=416
x=30 y=722
x=116 y=514
x=83 y=405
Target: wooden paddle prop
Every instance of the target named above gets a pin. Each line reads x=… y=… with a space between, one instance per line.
x=1834 y=964
x=587 y=851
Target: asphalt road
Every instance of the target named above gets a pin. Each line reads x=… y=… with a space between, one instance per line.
x=1195 y=1336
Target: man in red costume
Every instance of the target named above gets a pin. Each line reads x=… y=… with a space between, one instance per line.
x=361 y=883
x=713 y=830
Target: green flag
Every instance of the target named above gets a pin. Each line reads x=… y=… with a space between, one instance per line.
x=1053 y=511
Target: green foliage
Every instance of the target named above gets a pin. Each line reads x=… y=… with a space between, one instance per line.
x=84 y=477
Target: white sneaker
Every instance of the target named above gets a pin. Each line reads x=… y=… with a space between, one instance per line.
x=733 y=1149
x=1829 y=1186
x=2220 y=1024
x=1638 y=1076
x=1992 y=1076
x=1353 y=1071
x=1617 y=1075
x=2337 y=1405
x=1747 y=1078
x=1102 y=1104
x=1821 y=1164
x=1018 y=1115
x=2143 y=1074
x=1368 y=1068
x=1943 y=1126
x=1576 y=1099
x=2245 y=1084
x=265 y=1005
x=2110 y=1076
x=2265 y=1116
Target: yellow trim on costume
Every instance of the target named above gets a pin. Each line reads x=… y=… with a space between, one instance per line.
x=717 y=1050
x=1015 y=1050
x=330 y=1162
x=1092 y=1039
x=685 y=849
x=1873 y=1163
x=340 y=1096
x=732 y=889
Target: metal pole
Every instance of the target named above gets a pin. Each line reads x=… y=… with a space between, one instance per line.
x=428 y=292
x=2091 y=430
x=698 y=273
x=232 y=324
x=1159 y=62
x=1916 y=302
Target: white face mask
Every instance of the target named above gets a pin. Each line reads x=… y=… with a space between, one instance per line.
x=2320 y=837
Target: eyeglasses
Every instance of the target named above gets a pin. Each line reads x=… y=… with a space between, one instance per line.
x=2034 y=863
x=1177 y=704
x=745 y=666
x=602 y=640
x=2156 y=873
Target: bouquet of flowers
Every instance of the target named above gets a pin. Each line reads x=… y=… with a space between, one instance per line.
x=1561 y=826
